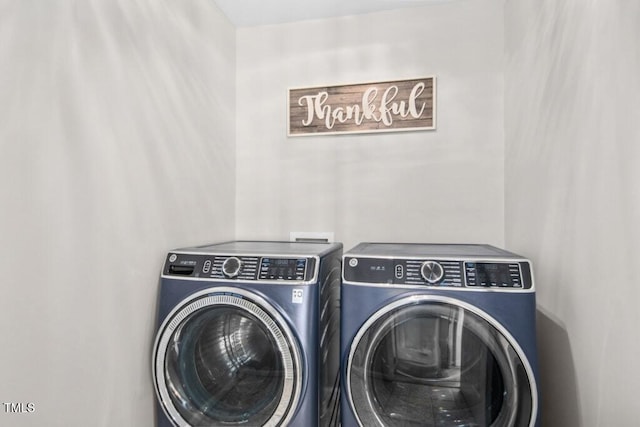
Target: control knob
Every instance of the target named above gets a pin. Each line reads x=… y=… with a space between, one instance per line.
x=231 y=267
x=432 y=271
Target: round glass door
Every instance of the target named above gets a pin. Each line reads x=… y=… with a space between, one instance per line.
x=431 y=361
x=222 y=360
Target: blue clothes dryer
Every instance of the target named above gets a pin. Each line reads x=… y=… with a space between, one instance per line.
x=438 y=335
x=248 y=335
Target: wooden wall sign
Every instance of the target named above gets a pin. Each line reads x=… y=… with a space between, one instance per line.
x=369 y=107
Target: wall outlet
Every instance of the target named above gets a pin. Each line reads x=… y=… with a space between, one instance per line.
x=311 y=236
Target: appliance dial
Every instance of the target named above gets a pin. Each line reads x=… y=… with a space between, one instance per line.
x=231 y=267
x=432 y=271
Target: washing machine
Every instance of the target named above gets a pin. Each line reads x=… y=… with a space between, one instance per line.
x=438 y=335
x=248 y=335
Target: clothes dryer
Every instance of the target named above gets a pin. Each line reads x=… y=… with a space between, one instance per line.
x=248 y=335
x=438 y=335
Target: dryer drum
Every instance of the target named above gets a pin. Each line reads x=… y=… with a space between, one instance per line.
x=433 y=361
x=226 y=362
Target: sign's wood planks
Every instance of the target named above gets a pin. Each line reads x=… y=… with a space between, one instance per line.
x=367 y=107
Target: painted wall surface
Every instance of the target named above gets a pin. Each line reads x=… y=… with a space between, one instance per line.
x=117 y=138
x=430 y=186
x=572 y=103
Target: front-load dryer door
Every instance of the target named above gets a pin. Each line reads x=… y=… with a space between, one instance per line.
x=226 y=357
x=436 y=361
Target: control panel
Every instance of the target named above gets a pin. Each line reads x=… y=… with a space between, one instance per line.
x=493 y=274
x=438 y=273
x=283 y=268
x=236 y=267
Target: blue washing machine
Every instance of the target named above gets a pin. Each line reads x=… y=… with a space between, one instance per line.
x=248 y=335
x=438 y=335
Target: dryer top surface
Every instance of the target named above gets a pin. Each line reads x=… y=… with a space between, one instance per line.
x=444 y=250
x=246 y=247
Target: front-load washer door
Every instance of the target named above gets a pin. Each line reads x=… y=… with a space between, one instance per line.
x=436 y=361
x=226 y=357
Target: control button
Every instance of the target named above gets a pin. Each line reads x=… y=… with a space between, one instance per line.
x=353 y=262
x=432 y=271
x=173 y=258
x=399 y=271
x=231 y=267
x=207 y=266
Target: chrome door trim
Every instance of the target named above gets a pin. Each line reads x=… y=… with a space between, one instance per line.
x=509 y=340
x=271 y=319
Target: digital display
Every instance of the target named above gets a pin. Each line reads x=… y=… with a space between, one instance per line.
x=282 y=269
x=493 y=274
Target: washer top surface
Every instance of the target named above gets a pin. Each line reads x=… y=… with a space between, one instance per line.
x=446 y=250
x=257 y=247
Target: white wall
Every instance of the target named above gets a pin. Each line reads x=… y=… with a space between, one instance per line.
x=442 y=185
x=117 y=130
x=572 y=197
x=117 y=133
